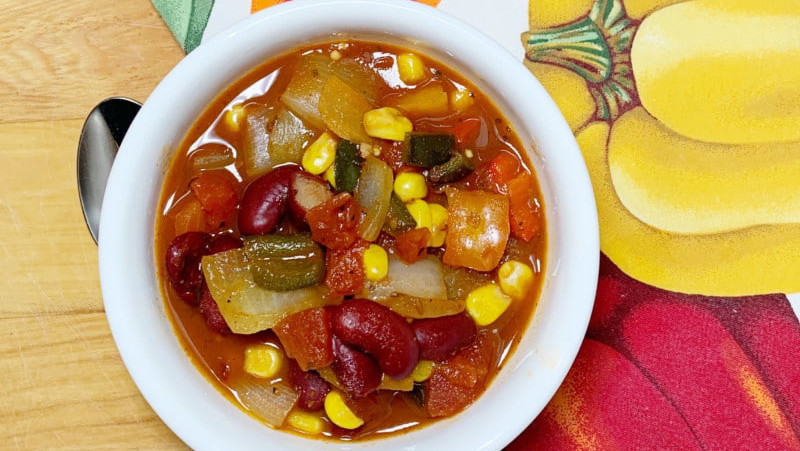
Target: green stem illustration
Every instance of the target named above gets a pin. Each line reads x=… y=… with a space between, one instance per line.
x=596 y=47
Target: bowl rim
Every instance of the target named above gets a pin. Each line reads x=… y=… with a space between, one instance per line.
x=122 y=235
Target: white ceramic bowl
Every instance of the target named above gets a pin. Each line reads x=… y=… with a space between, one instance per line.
x=167 y=378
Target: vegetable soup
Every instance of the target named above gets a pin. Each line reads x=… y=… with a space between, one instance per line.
x=351 y=241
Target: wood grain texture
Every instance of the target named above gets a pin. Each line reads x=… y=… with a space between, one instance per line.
x=61 y=58
x=48 y=258
x=63 y=386
x=62 y=382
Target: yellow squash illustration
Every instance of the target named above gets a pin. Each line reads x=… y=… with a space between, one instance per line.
x=684 y=186
x=722 y=71
x=762 y=259
x=688 y=114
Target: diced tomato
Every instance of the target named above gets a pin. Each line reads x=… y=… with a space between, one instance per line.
x=524 y=207
x=345 y=269
x=386 y=241
x=495 y=174
x=478 y=229
x=466 y=131
x=413 y=244
x=373 y=407
x=334 y=224
x=392 y=155
x=216 y=191
x=189 y=216
x=306 y=337
x=459 y=380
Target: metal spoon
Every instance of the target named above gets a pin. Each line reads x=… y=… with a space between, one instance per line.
x=101 y=136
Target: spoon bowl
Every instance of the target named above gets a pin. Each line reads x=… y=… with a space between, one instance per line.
x=101 y=136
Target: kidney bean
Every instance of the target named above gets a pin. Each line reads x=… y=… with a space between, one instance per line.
x=379 y=331
x=440 y=338
x=183 y=265
x=221 y=243
x=211 y=314
x=356 y=371
x=310 y=387
x=306 y=192
x=264 y=201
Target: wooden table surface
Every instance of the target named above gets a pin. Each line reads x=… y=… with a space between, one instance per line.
x=62 y=382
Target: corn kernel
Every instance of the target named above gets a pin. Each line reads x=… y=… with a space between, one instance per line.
x=438 y=225
x=438 y=239
x=461 y=99
x=487 y=303
x=411 y=68
x=515 y=278
x=387 y=123
x=376 y=263
x=234 y=117
x=438 y=217
x=330 y=176
x=421 y=212
x=339 y=412
x=336 y=55
x=263 y=361
x=319 y=156
x=306 y=422
x=422 y=371
x=410 y=185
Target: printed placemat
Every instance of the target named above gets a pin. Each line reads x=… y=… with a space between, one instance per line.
x=688 y=116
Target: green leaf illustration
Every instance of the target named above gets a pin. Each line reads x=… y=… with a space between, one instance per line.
x=187 y=19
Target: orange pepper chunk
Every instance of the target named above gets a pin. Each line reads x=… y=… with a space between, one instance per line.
x=478 y=229
x=525 y=208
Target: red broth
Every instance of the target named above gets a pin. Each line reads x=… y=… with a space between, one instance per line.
x=223 y=144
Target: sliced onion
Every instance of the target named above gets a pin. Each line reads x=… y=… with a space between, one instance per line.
x=302 y=93
x=461 y=281
x=247 y=307
x=313 y=71
x=423 y=279
x=256 y=139
x=288 y=139
x=343 y=108
x=373 y=193
x=414 y=307
x=270 y=402
x=211 y=156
